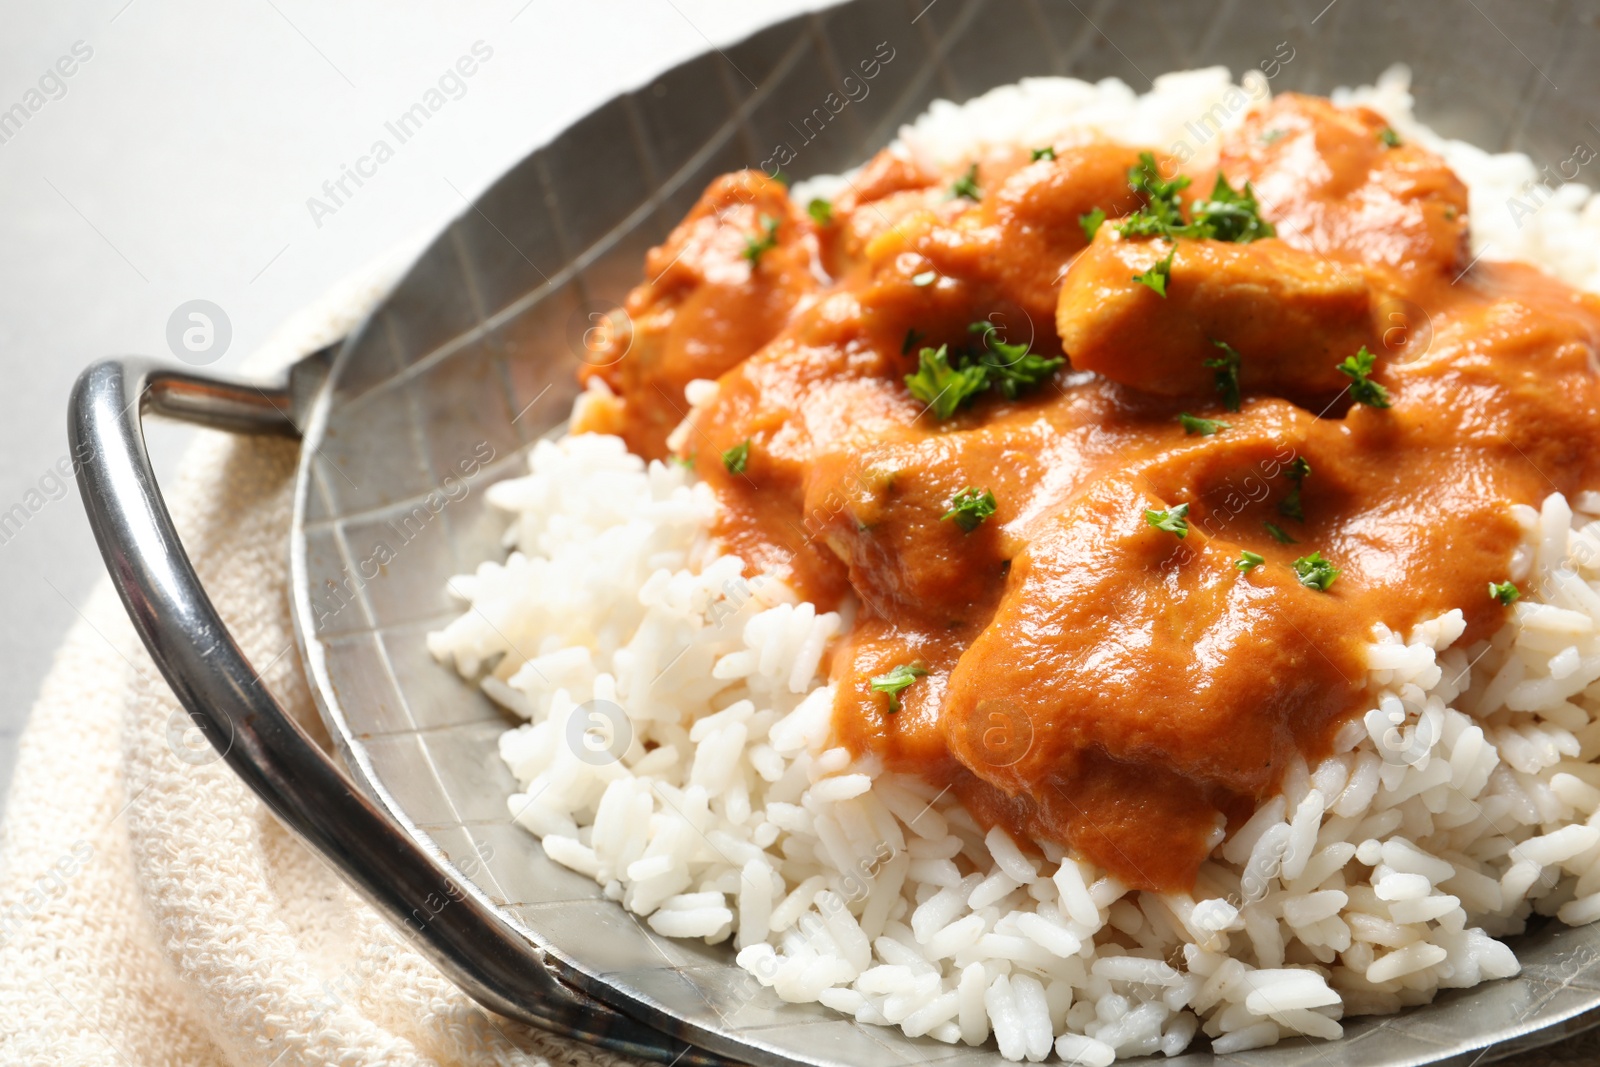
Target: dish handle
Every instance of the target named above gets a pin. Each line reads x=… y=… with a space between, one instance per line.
x=475 y=947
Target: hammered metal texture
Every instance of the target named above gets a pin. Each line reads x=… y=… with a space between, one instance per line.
x=473 y=356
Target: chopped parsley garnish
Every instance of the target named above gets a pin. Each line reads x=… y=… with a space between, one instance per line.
x=966 y=186
x=1389 y=137
x=1158 y=275
x=1203 y=427
x=1278 y=534
x=1174 y=521
x=896 y=680
x=1249 y=561
x=821 y=211
x=755 y=246
x=1315 y=572
x=926 y=278
x=1047 y=152
x=913 y=338
x=1226 y=377
x=1090 y=222
x=1504 y=592
x=1290 y=506
x=1272 y=136
x=969 y=508
x=1229 y=215
x=1363 y=390
x=1162 y=214
x=942 y=387
x=945 y=381
x=1011 y=368
x=781 y=178
x=735 y=458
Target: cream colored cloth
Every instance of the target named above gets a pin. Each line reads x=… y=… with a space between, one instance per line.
x=152 y=910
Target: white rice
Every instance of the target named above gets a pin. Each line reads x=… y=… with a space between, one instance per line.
x=676 y=745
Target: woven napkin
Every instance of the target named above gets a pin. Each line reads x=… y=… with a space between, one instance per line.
x=152 y=910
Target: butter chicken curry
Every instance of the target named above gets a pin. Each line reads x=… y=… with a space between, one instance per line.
x=1118 y=468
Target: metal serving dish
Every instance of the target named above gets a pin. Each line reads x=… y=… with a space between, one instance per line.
x=471 y=358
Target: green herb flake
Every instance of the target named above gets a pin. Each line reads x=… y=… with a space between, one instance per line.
x=782 y=179
x=896 y=680
x=1504 y=592
x=966 y=186
x=1363 y=390
x=1279 y=534
x=942 y=387
x=821 y=211
x=1291 y=506
x=735 y=458
x=969 y=508
x=1315 y=572
x=1231 y=214
x=1389 y=137
x=1272 y=136
x=913 y=338
x=925 y=279
x=1162 y=213
x=1174 y=521
x=1157 y=276
x=1201 y=427
x=1089 y=222
x=1228 y=215
x=945 y=380
x=1226 y=377
x=1010 y=368
x=755 y=246
x=1047 y=152
x=1249 y=561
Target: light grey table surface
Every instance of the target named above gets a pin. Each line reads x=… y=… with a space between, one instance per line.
x=178 y=160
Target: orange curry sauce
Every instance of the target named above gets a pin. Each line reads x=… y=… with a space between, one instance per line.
x=1091 y=679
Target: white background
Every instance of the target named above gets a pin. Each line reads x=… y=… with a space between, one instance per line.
x=177 y=166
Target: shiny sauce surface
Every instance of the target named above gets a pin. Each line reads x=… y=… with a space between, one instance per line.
x=1091 y=679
